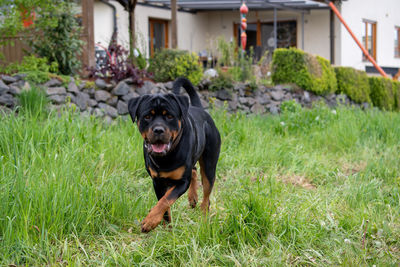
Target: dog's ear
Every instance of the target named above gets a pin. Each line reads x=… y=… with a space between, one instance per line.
x=133 y=105
x=183 y=103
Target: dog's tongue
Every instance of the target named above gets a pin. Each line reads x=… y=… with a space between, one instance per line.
x=158 y=148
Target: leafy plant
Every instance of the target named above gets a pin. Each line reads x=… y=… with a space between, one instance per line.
x=382 y=92
x=59 y=41
x=222 y=81
x=119 y=67
x=306 y=71
x=354 y=83
x=169 y=64
x=227 y=52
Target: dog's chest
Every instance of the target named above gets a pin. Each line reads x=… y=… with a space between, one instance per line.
x=175 y=174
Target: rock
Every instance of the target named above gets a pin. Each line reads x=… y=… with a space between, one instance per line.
x=7 y=100
x=89 y=91
x=3 y=87
x=81 y=100
x=26 y=86
x=218 y=103
x=233 y=105
x=108 y=119
x=92 y=102
x=100 y=83
x=146 y=88
x=8 y=79
x=57 y=99
x=306 y=97
x=72 y=87
x=277 y=95
x=14 y=90
x=71 y=97
x=257 y=108
x=204 y=103
x=122 y=108
x=5 y=111
x=168 y=85
x=56 y=91
x=263 y=99
x=101 y=95
x=53 y=83
x=112 y=101
x=273 y=109
x=109 y=110
x=210 y=73
x=224 y=95
x=20 y=76
x=129 y=96
x=121 y=89
x=98 y=112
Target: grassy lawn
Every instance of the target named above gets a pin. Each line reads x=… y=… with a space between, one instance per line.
x=309 y=187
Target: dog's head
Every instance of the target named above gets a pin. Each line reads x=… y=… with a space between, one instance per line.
x=159 y=120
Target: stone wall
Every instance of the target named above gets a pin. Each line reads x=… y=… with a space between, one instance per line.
x=111 y=100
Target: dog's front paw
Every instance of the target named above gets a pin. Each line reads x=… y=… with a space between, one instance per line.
x=151 y=222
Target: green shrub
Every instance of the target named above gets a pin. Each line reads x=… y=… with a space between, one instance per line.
x=59 y=41
x=169 y=64
x=382 y=93
x=354 y=83
x=396 y=87
x=222 y=81
x=306 y=71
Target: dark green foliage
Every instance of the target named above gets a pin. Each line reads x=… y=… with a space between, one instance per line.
x=59 y=41
x=354 y=83
x=294 y=66
x=169 y=64
x=382 y=93
x=37 y=69
x=223 y=81
x=396 y=87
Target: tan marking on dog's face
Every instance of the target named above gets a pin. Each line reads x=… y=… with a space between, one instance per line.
x=153 y=173
x=153 y=112
x=174 y=175
x=164 y=112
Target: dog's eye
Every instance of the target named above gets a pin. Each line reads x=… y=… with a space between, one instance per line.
x=147 y=117
x=170 y=117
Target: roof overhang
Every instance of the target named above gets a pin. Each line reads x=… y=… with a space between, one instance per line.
x=210 y=5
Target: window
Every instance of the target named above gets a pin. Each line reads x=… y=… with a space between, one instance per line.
x=397 y=42
x=369 y=38
x=158 y=35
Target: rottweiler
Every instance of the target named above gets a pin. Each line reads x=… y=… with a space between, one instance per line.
x=176 y=136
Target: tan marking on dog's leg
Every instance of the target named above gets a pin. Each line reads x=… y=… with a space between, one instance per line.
x=157 y=212
x=192 y=194
x=205 y=204
x=153 y=173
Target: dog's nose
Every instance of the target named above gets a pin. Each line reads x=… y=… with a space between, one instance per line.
x=158 y=130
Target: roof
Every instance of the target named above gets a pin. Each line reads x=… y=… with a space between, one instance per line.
x=208 y=5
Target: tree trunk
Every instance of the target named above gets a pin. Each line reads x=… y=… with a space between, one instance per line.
x=174 y=30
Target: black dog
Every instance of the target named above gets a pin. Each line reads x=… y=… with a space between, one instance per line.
x=176 y=136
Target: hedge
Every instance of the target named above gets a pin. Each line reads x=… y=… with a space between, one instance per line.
x=383 y=92
x=354 y=83
x=294 y=66
x=396 y=86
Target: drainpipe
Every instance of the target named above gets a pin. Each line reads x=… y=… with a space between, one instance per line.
x=332 y=35
x=115 y=28
x=334 y=9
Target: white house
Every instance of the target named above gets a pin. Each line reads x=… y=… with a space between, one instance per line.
x=303 y=24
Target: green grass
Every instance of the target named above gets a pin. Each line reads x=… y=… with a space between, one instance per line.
x=310 y=187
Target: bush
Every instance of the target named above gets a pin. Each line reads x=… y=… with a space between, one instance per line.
x=59 y=41
x=396 y=87
x=306 y=71
x=119 y=67
x=354 y=83
x=169 y=64
x=382 y=93
x=222 y=81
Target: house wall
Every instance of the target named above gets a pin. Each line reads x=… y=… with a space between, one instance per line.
x=386 y=14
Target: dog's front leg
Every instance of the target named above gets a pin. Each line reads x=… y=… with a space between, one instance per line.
x=157 y=212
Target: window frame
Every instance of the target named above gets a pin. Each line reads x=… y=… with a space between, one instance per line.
x=397 y=46
x=151 y=33
x=373 y=25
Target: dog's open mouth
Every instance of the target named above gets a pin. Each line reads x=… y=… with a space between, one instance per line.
x=159 y=148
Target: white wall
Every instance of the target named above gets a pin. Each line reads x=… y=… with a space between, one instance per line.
x=386 y=14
